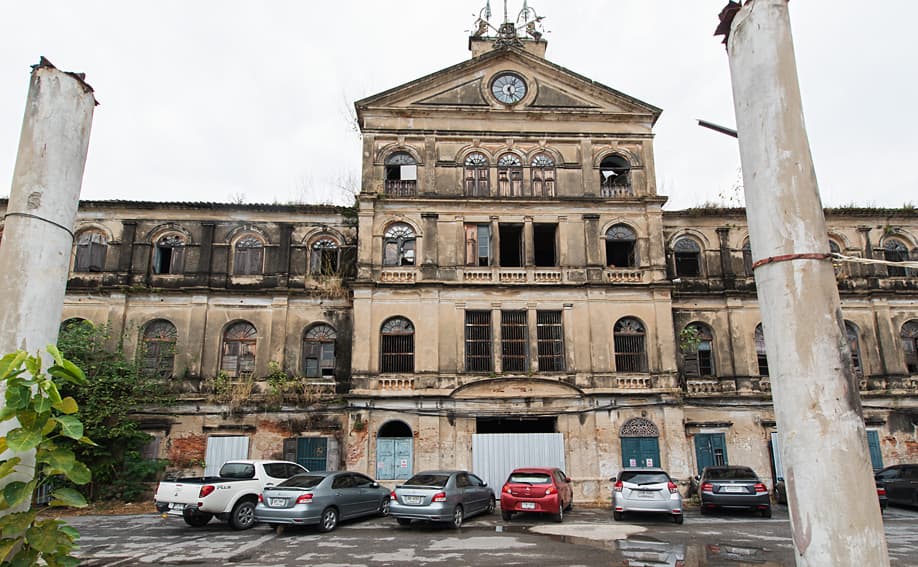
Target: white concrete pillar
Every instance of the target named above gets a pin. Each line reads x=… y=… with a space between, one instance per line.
x=38 y=232
x=815 y=392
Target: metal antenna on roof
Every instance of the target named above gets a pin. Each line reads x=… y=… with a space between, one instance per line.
x=506 y=19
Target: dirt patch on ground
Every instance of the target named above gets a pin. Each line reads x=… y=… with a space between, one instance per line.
x=102 y=509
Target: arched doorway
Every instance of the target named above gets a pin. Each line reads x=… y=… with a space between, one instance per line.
x=640 y=443
x=394 y=451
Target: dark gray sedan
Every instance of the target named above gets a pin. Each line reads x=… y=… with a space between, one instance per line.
x=323 y=499
x=731 y=486
x=441 y=496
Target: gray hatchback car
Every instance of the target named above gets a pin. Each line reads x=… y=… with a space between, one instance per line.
x=322 y=498
x=645 y=489
x=441 y=496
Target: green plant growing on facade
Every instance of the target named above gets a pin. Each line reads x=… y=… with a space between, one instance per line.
x=48 y=425
x=689 y=339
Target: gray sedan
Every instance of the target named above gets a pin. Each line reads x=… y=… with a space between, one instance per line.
x=322 y=498
x=441 y=496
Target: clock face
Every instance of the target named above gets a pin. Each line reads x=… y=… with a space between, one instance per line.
x=508 y=88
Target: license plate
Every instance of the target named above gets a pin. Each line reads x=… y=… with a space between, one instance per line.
x=278 y=502
x=733 y=489
x=412 y=500
x=644 y=494
x=176 y=506
x=528 y=505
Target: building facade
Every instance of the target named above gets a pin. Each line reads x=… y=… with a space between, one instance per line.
x=507 y=287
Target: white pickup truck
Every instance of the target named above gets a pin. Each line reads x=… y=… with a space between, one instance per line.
x=231 y=496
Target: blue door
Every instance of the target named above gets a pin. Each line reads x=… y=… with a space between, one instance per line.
x=710 y=450
x=640 y=452
x=873 y=443
x=394 y=457
x=312 y=452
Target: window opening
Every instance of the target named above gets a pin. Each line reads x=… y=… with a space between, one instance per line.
x=550 y=338
x=909 y=335
x=510 y=176
x=699 y=357
x=760 y=356
x=747 y=258
x=485 y=425
x=169 y=255
x=853 y=345
x=478 y=341
x=398 y=245
x=543 y=176
x=514 y=336
x=239 y=345
x=688 y=257
x=544 y=244
x=324 y=257
x=511 y=245
x=401 y=175
x=319 y=351
x=477 y=176
x=90 y=254
x=397 y=345
x=158 y=351
x=630 y=349
x=477 y=245
x=620 y=247
x=895 y=251
x=615 y=177
x=249 y=256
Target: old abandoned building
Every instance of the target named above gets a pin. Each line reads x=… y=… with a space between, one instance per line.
x=507 y=283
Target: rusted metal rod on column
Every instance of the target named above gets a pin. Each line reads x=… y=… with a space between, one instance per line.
x=815 y=391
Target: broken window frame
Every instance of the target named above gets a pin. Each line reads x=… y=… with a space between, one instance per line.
x=909 y=337
x=399 y=242
x=401 y=175
x=550 y=341
x=545 y=245
x=542 y=175
x=91 y=250
x=324 y=257
x=396 y=346
x=698 y=360
x=248 y=255
x=477 y=175
x=319 y=358
x=747 y=258
x=895 y=250
x=478 y=357
x=687 y=257
x=157 y=352
x=629 y=337
x=509 y=175
x=169 y=254
x=622 y=236
x=238 y=350
x=477 y=244
x=514 y=341
x=852 y=334
x=615 y=176
x=758 y=338
x=512 y=250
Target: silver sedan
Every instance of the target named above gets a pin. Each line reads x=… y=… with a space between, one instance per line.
x=323 y=499
x=441 y=496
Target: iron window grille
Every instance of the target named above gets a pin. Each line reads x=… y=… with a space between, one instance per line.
x=630 y=347
x=478 y=341
x=397 y=346
x=550 y=339
x=514 y=338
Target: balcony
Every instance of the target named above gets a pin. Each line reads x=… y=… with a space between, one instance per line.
x=623 y=276
x=398 y=276
x=400 y=188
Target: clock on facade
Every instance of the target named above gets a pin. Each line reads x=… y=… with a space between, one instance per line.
x=509 y=88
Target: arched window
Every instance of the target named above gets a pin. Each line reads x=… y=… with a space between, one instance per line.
x=630 y=346
x=169 y=254
x=91 y=249
x=760 y=350
x=909 y=335
x=477 y=175
x=615 y=177
x=543 y=176
x=157 y=356
x=509 y=176
x=698 y=351
x=835 y=249
x=687 y=255
x=248 y=256
x=401 y=175
x=895 y=251
x=240 y=341
x=854 y=345
x=747 y=258
x=394 y=451
x=319 y=351
x=324 y=257
x=396 y=345
x=398 y=245
x=621 y=250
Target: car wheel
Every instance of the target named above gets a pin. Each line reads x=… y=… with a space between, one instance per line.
x=559 y=517
x=196 y=519
x=618 y=516
x=491 y=506
x=243 y=515
x=329 y=520
x=766 y=513
x=403 y=521
x=506 y=515
x=678 y=518
x=570 y=505
x=384 y=507
x=457 y=517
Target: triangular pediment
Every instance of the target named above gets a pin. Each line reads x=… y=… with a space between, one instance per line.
x=550 y=88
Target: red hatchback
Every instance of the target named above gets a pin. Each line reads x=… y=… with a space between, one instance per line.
x=536 y=489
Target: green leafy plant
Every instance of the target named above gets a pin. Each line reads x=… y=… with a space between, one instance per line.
x=48 y=426
x=689 y=339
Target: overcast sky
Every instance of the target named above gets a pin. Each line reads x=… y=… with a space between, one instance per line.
x=215 y=100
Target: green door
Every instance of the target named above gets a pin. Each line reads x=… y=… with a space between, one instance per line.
x=640 y=452
x=312 y=452
x=873 y=443
x=710 y=450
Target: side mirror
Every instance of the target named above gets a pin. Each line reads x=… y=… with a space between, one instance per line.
x=567 y=480
x=697 y=477
x=613 y=479
x=374 y=484
x=483 y=483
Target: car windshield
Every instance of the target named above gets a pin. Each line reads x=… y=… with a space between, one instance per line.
x=432 y=480
x=530 y=478
x=644 y=477
x=237 y=470
x=303 y=481
x=729 y=474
